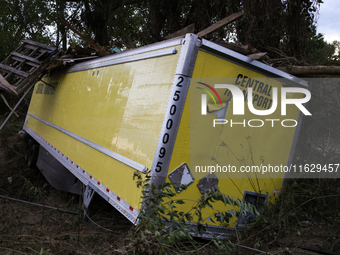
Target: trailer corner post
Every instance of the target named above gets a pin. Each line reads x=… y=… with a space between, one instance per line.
x=171 y=122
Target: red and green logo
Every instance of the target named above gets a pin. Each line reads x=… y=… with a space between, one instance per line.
x=209 y=93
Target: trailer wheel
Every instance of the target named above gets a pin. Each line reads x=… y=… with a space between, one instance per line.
x=33 y=156
x=29 y=144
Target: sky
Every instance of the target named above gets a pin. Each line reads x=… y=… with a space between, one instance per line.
x=328 y=23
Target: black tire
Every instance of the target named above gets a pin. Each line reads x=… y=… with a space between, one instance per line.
x=29 y=144
x=33 y=156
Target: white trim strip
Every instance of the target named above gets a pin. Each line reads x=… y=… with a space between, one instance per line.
x=126 y=209
x=174 y=110
x=120 y=59
x=114 y=155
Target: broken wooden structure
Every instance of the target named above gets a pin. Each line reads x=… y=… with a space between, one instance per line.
x=31 y=60
x=24 y=65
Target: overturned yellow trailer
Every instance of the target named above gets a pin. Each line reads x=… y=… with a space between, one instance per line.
x=172 y=107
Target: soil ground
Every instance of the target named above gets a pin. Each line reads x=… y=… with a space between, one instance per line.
x=30 y=229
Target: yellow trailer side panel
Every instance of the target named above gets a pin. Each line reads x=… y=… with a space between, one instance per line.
x=119 y=107
x=224 y=145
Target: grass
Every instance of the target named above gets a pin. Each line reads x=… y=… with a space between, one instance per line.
x=306 y=208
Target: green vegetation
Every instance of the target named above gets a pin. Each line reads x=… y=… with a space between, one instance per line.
x=162 y=229
x=307 y=209
x=23 y=19
x=280 y=28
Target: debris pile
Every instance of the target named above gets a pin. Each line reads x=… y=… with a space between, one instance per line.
x=31 y=60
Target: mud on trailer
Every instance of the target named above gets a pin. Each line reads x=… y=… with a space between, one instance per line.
x=165 y=107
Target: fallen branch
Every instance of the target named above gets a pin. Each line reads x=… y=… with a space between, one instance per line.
x=220 y=23
x=332 y=70
x=258 y=56
x=232 y=46
x=288 y=59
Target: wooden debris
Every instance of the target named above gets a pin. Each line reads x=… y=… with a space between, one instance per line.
x=62 y=21
x=24 y=65
x=258 y=56
x=54 y=65
x=77 y=49
x=232 y=46
x=220 y=23
x=4 y=82
x=6 y=103
x=74 y=54
x=183 y=31
x=299 y=70
x=15 y=107
x=250 y=48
